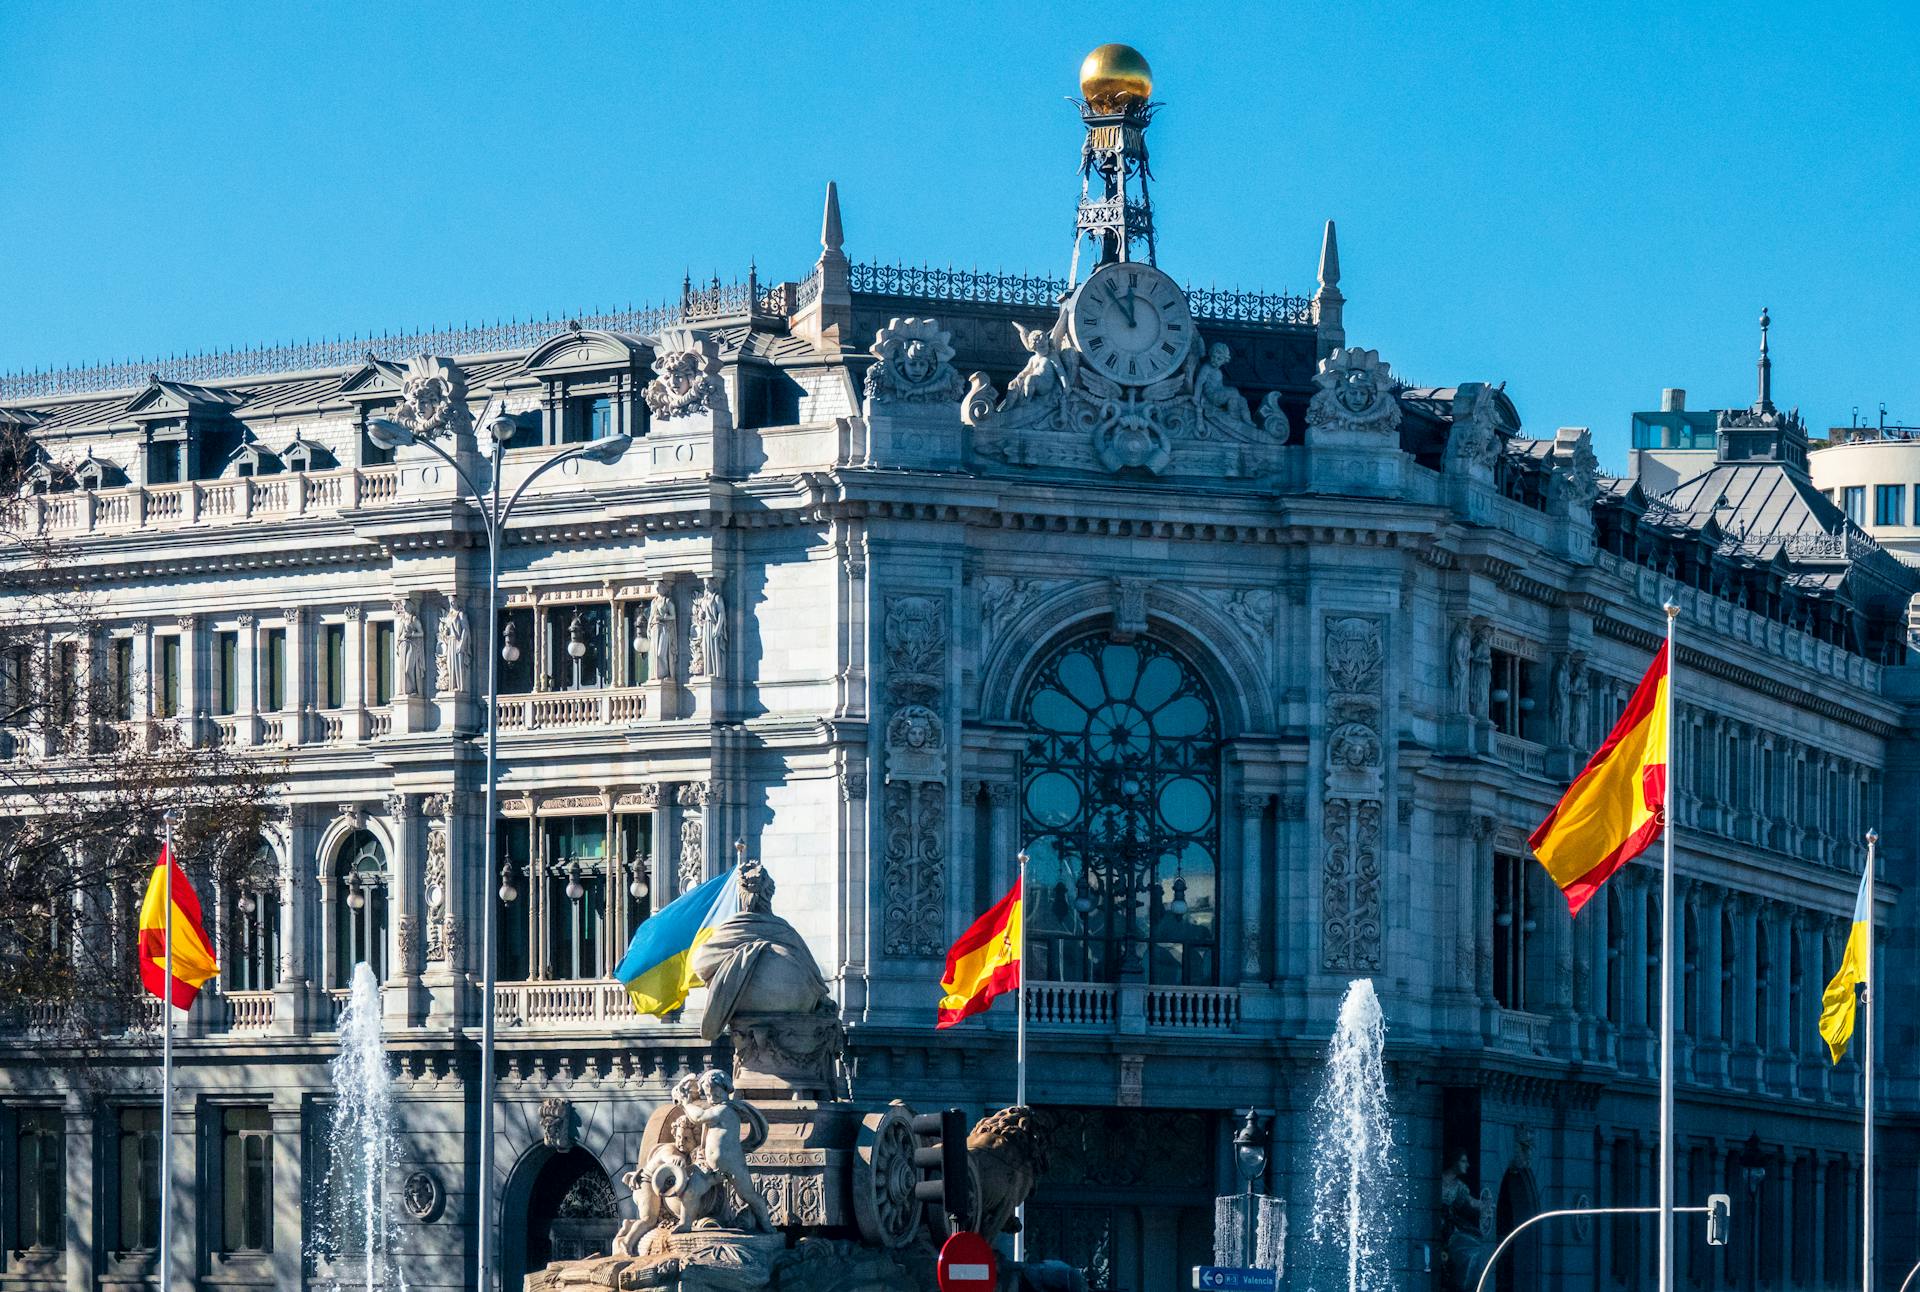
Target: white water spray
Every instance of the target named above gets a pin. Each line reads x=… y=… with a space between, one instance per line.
x=362 y=1144
x=1354 y=1197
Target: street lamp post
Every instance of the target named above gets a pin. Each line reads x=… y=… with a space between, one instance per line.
x=1250 y=1145
x=499 y=430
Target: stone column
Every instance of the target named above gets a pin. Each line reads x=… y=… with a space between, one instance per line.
x=404 y=1003
x=355 y=666
x=299 y=687
x=191 y=699
x=1251 y=805
x=84 y=1259
x=246 y=699
x=289 y=1204
x=1716 y=1033
x=1480 y=849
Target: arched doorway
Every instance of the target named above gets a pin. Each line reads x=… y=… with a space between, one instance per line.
x=1519 y=1201
x=559 y=1206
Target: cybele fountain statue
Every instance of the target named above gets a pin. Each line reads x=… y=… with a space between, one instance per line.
x=770 y=1177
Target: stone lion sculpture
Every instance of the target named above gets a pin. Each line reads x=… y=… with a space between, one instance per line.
x=1008 y=1150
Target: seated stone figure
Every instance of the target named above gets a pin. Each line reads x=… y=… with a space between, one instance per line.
x=755 y=962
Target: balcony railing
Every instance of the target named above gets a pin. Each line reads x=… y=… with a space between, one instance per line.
x=571 y=709
x=249 y=1011
x=1107 y=1007
x=210 y=502
x=582 y=1002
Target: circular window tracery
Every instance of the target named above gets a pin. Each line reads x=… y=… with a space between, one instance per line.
x=1120 y=793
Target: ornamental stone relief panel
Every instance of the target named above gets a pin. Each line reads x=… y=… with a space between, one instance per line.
x=1351 y=812
x=913 y=806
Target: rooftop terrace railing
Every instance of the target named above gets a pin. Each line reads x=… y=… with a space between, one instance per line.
x=704 y=300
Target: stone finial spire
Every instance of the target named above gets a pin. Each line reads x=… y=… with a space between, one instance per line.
x=827 y=319
x=1328 y=303
x=832 y=236
x=1329 y=259
x=1764 y=404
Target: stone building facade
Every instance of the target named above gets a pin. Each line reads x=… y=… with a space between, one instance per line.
x=1271 y=661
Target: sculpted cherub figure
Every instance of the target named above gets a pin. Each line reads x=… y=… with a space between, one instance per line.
x=714 y=1110
x=1044 y=376
x=1211 y=391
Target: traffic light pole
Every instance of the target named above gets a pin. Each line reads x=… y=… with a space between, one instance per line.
x=1522 y=1227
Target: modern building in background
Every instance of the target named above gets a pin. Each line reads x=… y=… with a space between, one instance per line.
x=1270 y=661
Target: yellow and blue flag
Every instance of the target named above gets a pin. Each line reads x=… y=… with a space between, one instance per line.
x=657 y=969
x=1838 y=1005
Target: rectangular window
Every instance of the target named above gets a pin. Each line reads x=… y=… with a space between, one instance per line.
x=40 y=1151
x=138 y=1195
x=1512 y=921
x=226 y=672
x=120 y=677
x=577 y=645
x=382 y=661
x=510 y=876
x=636 y=863
x=576 y=895
x=246 y=1180
x=516 y=652
x=66 y=674
x=168 y=698
x=333 y=663
x=1888 y=504
x=1854 y=501
x=588 y=418
x=1515 y=710
x=372 y=454
x=273 y=669
x=163 y=464
x=1916 y=501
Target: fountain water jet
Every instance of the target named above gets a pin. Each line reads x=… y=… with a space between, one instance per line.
x=1354 y=1195
x=361 y=1143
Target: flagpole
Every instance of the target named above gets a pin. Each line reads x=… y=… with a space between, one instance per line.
x=1020 y=1045
x=166 y=1064
x=1866 y=1218
x=1666 y=982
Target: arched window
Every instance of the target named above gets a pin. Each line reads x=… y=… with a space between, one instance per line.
x=360 y=924
x=253 y=926
x=1120 y=792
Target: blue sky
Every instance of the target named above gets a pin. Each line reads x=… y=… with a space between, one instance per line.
x=1588 y=202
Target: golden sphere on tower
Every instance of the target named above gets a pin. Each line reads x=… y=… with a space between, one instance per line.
x=1113 y=76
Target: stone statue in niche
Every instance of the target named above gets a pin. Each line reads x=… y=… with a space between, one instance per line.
x=1462 y=1219
x=662 y=643
x=709 y=645
x=1482 y=672
x=1460 y=668
x=912 y=363
x=456 y=650
x=409 y=650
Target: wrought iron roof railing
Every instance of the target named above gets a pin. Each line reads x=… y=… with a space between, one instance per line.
x=976 y=286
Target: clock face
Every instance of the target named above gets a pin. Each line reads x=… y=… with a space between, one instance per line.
x=1131 y=324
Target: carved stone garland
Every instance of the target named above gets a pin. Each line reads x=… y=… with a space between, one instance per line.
x=1352 y=812
x=439 y=898
x=914 y=806
x=692 y=797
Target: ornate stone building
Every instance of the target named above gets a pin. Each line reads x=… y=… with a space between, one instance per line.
x=1269 y=659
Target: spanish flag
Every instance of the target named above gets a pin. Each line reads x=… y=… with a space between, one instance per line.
x=657 y=969
x=1837 y=1006
x=984 y=962
x=193 y=961
x=1614 y=808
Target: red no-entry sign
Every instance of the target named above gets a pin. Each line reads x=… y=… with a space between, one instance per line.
x=967 y=1264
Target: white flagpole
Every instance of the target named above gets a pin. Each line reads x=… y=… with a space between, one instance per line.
x=166 y=1069
x=1666 y=983
x=1867 y=1003
x=1020 y=1045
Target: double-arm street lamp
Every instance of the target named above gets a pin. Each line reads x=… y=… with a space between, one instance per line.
x=499 y=429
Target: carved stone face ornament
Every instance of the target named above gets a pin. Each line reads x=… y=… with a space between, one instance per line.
x=912 y=363
x=431 y=399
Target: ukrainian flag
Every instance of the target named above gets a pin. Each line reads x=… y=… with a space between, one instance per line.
x=1841 y=1000
x=657 y=970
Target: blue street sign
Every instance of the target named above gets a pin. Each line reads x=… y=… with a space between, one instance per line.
x=1221 y=1278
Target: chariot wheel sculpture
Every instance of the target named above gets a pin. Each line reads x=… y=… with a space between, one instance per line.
x=883 y=1178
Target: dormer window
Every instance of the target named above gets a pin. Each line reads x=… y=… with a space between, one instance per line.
x=163 y=462
x=304 y=455
x=588 y=417
x=90 y=474
x=252 y=460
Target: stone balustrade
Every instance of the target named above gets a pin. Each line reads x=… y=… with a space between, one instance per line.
x=248 y=1011
x=1132 y=1008
x=196 y=502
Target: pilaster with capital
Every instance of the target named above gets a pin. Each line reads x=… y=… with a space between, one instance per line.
x=192 y=693
x=1250 y=809
x=246 y=697
x=403 y=897
x=1714 y=1036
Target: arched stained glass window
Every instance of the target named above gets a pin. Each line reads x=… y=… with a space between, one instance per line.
x=1120 y=815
